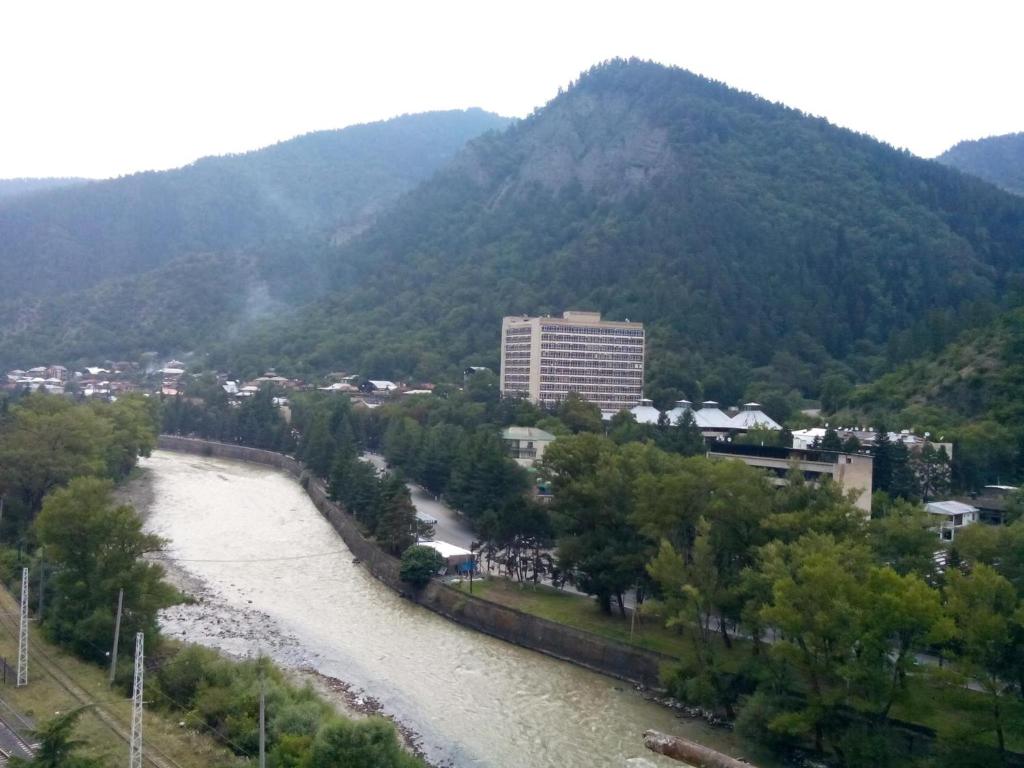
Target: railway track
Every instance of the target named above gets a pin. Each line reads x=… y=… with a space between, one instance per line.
x=13 y=739
x=40 y=660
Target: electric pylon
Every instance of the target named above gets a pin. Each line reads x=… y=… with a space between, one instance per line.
x=135 y=748
x=23 y=632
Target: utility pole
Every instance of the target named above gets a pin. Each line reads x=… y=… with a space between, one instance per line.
x=23 y=632
x=263 y=724
x=117 y=633
x=632 y=615
x=135 y=747
x=42 y=590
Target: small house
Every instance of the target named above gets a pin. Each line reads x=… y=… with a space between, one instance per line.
x=526 y=444
x=951 y=516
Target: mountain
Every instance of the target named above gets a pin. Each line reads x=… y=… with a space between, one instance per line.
x=259 y=222
x=16 y=187
x=763 y=248
x=331 y=181
x=998 y=159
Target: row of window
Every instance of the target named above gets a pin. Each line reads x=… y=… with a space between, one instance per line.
x=597 y=349
x=591 y=364
x=605 y=391
x=591 y=341
x=585 y=354
x=558 y=375
x=522 y=330
x=592 y=330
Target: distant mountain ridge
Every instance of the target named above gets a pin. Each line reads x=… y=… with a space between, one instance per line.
x=328 y=181
x=10 y=188
x=997 y=159
x=259 y=222
x=763 y=248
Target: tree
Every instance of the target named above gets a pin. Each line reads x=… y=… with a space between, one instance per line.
x=999 y=547
x=987 y=613
x=686 y=439
x=579 y=415
x=623 y=428
x=831 y=441
x=931 y=470
x=1014 y=506
x=518 y=536
x=731 y=497
x=317 y=446
x=904 y=538
x=56 y=746
x=419 y=564
x=881 y=477
x=47 y=442
x=901 y=614
x=355 y=484
x=437 y=454
x=694 y=594
x=483 y=477
x=904 y=479
x=835 y=388
x=96 y=549
x=817 y=598
x=593 y=488
x=133 y=420
x=800 y=507
x=396 y=516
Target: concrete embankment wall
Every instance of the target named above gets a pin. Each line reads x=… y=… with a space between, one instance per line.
x=548 y=637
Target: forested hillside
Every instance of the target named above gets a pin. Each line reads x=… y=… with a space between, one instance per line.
x=971 y=392
x=766 y=250
x=82 y=264
x=17 y=187
x=999 y=159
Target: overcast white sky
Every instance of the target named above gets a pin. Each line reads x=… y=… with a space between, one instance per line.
x=107 y=88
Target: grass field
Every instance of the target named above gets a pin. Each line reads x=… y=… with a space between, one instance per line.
x=574 y=610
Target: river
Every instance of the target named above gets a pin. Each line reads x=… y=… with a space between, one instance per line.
x=272 y=576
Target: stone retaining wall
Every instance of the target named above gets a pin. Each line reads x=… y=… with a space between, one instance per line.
x=582 y=648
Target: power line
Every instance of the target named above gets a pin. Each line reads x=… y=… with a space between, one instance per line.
x=252 y=560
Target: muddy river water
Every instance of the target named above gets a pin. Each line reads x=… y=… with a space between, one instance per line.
x=273 y=577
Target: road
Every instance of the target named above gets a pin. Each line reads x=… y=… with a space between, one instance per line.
x=451 y=526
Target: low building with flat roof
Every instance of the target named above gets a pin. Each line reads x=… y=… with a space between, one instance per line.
x=852 y=471
x=456 y=559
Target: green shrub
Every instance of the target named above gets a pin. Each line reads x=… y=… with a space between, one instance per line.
x=419 y=563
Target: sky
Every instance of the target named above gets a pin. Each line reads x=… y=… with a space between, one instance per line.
x=102 y=89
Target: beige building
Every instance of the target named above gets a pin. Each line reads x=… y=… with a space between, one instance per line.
x=526 y=444
x=545 y=358
x=851 y=471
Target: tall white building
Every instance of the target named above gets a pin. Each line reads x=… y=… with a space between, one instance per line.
x=545 y=358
